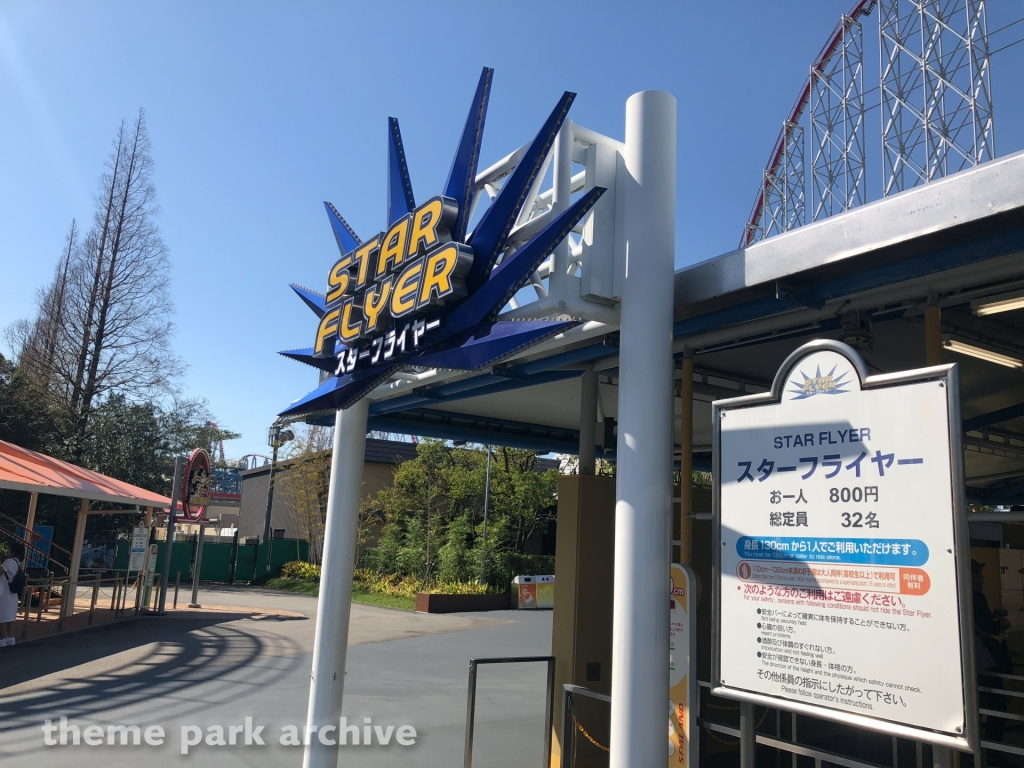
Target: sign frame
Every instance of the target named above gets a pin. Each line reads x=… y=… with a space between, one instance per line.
x=198 y=461
x=970 y=739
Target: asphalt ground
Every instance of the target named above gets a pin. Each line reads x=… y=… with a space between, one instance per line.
x=248 y=654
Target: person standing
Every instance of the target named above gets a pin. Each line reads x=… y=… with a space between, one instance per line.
x=9 y=599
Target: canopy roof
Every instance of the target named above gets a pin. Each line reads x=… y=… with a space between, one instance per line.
x=23 y=470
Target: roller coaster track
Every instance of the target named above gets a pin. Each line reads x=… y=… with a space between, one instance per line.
x=936 y=112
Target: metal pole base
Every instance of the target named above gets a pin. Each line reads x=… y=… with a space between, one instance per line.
x=194 y=605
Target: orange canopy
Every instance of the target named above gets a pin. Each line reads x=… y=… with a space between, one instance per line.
x=23 y=470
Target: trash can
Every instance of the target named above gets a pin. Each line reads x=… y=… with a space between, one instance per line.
x=534 y=591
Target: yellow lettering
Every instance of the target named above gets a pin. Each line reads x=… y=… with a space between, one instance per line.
x=392 y=252
x=441 y=273
x=328 y=327
x=362 y=258
x=349 y=332
x=339 y=280
x=403 y=297
x=374 y=301
x=425 y=220
x=431 y=225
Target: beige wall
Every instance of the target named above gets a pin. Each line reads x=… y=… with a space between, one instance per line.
x=253 y=510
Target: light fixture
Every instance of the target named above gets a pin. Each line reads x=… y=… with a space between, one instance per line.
x=983 y=354
x=990 y=305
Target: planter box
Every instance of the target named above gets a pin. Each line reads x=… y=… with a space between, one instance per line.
x=430 y=603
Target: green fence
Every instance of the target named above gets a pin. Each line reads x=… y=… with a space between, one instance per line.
x=284 y=551
x=244 y=563
x=216 y=562
x=248 y=562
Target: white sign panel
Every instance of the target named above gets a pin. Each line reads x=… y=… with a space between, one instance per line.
x=137 y=555
x=841 y=569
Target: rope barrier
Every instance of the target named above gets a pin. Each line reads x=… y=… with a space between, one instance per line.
x=719 y=706
x=711 y=733
x=591 y=739
x=579 y=727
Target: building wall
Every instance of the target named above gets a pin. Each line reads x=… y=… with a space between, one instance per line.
x=382 y=456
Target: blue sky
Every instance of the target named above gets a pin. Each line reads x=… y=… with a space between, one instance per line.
x=260 y=111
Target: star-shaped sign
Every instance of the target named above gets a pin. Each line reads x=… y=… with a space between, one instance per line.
x=425 y=292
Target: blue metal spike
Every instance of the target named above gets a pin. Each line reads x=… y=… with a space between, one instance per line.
x=491 y=234
x=347 y=238
x=516 y=269
x=307 y=357
x=490 y=343
x=462 y=176
x=400 y=197
x=313 y=300
x=341 y=392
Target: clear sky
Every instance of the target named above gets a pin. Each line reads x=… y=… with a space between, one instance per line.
x=259 y=111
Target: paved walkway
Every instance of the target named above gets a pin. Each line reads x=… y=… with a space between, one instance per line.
x=247 y=654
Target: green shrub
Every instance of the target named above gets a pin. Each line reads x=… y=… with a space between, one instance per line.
x=298 y=570
x=371 y=581
x=503 y=566
x=455 y=558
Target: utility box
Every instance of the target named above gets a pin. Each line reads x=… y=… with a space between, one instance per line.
x=1013 y=602
x=1011 y=587
x=1010 y=577
x=534 y=591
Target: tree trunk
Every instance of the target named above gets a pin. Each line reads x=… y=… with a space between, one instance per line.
x=82 y=359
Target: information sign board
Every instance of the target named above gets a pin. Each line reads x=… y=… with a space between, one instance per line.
x=137 y=555
x=842 y=583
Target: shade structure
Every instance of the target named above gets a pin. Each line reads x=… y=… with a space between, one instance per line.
x=24 y=470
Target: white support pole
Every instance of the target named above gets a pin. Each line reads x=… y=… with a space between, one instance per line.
x=643 y=510
x=562 y=190
x=588 y=422
x=335 y=601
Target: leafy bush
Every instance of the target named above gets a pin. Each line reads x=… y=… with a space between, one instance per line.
x=299 y=570
x=455 y=559
x=390 y=584
x=462 y=588
x=442 y=491
x=408 y=586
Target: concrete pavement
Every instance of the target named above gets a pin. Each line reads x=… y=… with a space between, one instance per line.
x=231 y=662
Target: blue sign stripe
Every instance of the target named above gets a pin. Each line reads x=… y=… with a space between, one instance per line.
x=902 y=552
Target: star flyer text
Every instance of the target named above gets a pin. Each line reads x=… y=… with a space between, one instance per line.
x=838 y=583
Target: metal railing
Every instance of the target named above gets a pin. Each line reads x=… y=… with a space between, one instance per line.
x=30 y=540
x=471 y=701
x=748 y=728
x=56 y=600
x=747 y=734
x=1001 y=714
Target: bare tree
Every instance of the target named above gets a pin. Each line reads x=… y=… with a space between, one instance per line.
x=36 y=342
x=102 y=326
x=305 y=485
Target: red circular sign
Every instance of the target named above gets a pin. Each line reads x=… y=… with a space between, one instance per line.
x=195 y=485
